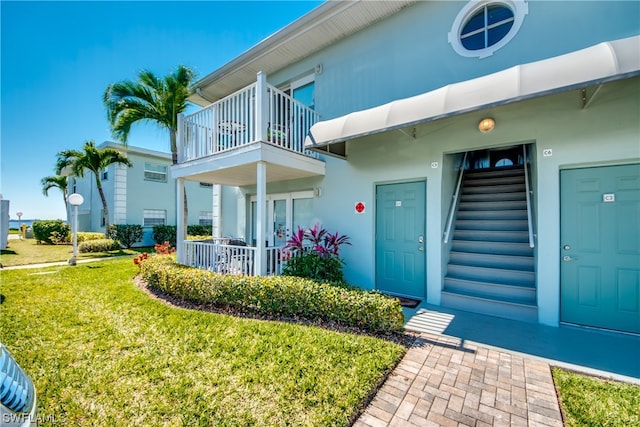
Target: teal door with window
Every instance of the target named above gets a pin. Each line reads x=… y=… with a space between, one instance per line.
x=400 y=239
x=600 y=247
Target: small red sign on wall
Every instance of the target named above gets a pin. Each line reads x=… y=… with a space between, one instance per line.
x=360 y=207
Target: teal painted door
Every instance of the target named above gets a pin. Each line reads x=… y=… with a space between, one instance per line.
x=400 y=247
x=600 y=247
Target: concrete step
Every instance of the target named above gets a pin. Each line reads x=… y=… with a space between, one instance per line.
x=520 y=294
x=507 y=188
x=492 y=236
x=493 y=206
x=493 y=215
x=515 y=310
x=492 y=275
x=496 y=248
x=494 y=172
x=485 y=181
x=508 y=261
x=493 y=197
x=498 y=225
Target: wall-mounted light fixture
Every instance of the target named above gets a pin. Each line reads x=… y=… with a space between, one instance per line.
x=486 y=125
x=318 y=69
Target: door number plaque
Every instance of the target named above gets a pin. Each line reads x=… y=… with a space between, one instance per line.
x=609 y=198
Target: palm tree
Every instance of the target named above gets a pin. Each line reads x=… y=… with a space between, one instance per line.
x=95 y=160
x=149 y=99
x=58 y=181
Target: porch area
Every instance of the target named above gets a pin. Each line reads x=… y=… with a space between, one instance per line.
x=249 y=138
x=230 y=256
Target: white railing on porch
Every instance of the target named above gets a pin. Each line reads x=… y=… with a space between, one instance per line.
x=236 y=120
x=230 y=259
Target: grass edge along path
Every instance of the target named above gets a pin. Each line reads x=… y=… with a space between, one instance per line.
x=27 y=252
x=102 y=352
x=592 y=401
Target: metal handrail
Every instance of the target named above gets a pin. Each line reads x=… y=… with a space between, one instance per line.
x=526 y=184
x=454 y=202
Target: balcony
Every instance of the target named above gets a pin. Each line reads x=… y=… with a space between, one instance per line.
x=221 y=143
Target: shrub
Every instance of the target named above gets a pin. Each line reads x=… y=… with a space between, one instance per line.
x=276 y=295
x=85 y=236
x=42 y=230
x=199 y=230
x=127 y=234
x=61 y=238
x=102 y=245
x=314 y=254
x=165 y=233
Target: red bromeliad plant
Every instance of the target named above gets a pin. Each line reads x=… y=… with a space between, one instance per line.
x=314 y=254
x=139 y=259
x=161 y=249
x=164 y=248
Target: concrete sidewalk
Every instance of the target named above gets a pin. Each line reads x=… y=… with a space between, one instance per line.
x=63 y=263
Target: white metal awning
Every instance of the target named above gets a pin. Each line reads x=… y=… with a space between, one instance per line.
x=597 y=64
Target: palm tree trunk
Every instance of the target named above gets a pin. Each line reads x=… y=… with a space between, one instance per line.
x=66 y=204
x=104 y=205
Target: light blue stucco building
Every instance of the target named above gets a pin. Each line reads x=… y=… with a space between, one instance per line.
x=481 y=155
x=143 y=194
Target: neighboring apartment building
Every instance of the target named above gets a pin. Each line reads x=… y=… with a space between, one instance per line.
x=481 y=155
x=143 y=194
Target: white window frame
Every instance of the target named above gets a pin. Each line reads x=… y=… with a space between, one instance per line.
x=520 y=9
x=149 y=170
x=154 y=214
x=206 y=216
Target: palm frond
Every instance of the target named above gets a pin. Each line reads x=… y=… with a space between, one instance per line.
x=49 y=182
x=148 y=99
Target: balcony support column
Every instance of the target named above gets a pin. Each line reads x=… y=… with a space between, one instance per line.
x=262 y=107
x=261 y=222
x=180 y=223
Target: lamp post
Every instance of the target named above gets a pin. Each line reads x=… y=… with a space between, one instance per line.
x=19 y=215
x=75 y=200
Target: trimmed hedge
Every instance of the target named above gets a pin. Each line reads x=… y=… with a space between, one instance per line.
x=165 y=233
x=43 y=230
x=276 y=295
x=127 y=234
x=85 y=236
x=199 y=230
x=102 y=245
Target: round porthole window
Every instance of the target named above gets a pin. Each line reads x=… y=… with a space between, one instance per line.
x=484 y=26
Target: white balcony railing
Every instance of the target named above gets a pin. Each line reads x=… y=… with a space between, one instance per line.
x=230 y=259
x=258 y=112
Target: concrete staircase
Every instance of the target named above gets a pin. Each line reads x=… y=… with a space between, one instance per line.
x=491 y=265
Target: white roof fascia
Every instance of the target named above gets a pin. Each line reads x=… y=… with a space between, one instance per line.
x=135 y=150
x=597 y=64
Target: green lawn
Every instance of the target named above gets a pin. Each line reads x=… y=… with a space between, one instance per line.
x=103 y=352
x=590 y=401
x=23 y=252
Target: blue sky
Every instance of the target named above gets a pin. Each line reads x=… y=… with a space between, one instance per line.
x=58 y=58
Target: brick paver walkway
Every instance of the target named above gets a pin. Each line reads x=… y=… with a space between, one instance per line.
x=440 y=382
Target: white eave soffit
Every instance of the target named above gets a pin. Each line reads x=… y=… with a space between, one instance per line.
x=597 y=64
